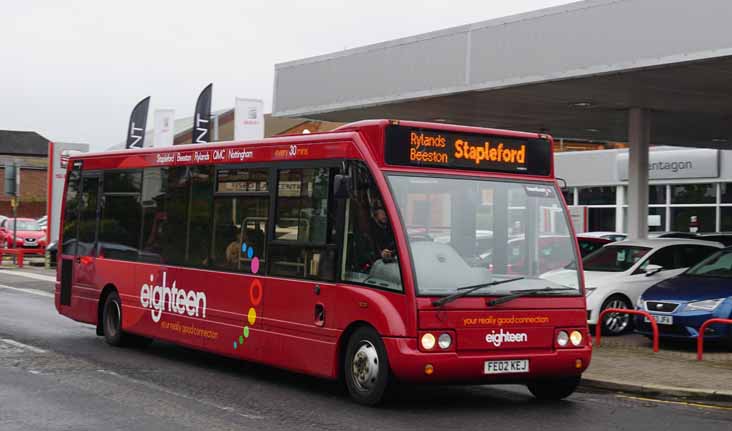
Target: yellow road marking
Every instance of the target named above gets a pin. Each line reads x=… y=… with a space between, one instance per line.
x=680 y=403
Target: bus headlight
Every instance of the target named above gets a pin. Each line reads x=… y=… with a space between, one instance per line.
x=428 y=341
x=576 y=338
x=444 y=341
x=562 y=339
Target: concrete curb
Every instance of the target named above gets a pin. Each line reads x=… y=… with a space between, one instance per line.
x=656 y=390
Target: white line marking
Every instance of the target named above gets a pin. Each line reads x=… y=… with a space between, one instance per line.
x=22 y=346
x=29 y=275
x=178 y=394
x=31 y=291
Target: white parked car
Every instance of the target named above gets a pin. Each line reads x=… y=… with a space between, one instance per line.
x=617 y=274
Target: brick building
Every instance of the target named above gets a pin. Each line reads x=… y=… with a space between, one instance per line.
x=30 y=151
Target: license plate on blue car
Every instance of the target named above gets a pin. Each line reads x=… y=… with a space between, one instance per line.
x=661 y=320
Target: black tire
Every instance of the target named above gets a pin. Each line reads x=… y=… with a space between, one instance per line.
x=112 y=321
x=554 y=390
x=614 y=324
x=366 y=367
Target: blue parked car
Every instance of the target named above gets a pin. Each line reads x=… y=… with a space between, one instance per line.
x=682 y=303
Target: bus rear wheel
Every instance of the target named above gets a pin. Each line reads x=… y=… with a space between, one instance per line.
x=112 y=320
x=366 y=367
x=555 y=389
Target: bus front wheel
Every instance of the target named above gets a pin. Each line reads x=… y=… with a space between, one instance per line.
x=366 y=367
x=554 y=389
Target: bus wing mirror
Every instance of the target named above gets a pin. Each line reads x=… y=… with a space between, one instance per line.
x=562 y=184
x=342 y=186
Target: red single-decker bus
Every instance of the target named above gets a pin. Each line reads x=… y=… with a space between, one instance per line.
x=382 y=251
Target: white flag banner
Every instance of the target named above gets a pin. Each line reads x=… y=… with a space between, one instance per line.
x=164 y=128
x=248 y=119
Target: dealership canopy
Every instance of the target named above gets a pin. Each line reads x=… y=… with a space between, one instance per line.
x=637 y=70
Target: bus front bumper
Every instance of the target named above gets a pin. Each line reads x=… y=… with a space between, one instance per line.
x=409 y=364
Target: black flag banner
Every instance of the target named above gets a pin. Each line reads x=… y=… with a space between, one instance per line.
x=202 y=117
x=138 y=122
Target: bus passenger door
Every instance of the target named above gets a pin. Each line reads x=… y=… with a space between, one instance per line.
x=67 y=244
x=84 y=270
x=299 y=298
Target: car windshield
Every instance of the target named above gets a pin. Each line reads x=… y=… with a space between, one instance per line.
x=717 y=265
x=24 y=225
x=465 y=232
x=614 y=258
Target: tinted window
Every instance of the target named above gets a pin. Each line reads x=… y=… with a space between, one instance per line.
x=657 y=195
x=587 y=246
x=667 y=257
x=716 y=265
x=693 y=194
x=121 y=215
x=154 y=187
x=184 y=223
x=693 y=254
x=302 y=205
x=596 y=195
x=199 y=219
x=88 y=216
x=370 y=254
x=240 y=222
x=71 y=212
x=614 y=258
x=304 y=240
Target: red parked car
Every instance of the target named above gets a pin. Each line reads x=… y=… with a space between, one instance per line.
x=28 y=235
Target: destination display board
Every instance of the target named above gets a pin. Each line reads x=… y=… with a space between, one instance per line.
x=409 y=146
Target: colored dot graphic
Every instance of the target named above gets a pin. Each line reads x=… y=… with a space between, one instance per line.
x=255 y=295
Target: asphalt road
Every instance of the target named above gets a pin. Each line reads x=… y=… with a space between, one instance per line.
x=55 y=374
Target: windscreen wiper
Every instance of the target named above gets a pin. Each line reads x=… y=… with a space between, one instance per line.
x=527 y=292
x=467 y=290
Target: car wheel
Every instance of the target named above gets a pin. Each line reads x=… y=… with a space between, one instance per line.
x=616 y=323
x=366 y=367
x=553 y=390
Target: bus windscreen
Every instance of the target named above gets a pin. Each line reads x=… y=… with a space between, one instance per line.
x=409 y=146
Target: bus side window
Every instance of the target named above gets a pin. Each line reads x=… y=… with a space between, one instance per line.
x=304 y=244
x=120 y=217
x=370 y=247
x=241 y=212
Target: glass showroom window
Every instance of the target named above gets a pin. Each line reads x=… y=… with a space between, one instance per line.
x=601 y=206
x=702 y=214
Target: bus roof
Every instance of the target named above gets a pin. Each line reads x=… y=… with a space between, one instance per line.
x=389 y=143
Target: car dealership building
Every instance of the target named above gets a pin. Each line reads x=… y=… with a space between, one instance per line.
x=683 y=183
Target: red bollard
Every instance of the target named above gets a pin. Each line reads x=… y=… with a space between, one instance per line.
x=700 y=337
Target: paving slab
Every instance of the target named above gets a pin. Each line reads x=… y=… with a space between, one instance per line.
x=629 y=364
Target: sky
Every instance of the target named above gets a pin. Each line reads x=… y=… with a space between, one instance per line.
x=73 y=70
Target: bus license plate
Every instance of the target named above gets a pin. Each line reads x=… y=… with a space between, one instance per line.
x=504 y=367
x=661 y=320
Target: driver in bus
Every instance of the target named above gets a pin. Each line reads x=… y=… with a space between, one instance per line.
x=382 y=235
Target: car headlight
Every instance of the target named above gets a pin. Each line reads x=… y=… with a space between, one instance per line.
x=589 y=290
x=640 y=304
x=706 y=305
